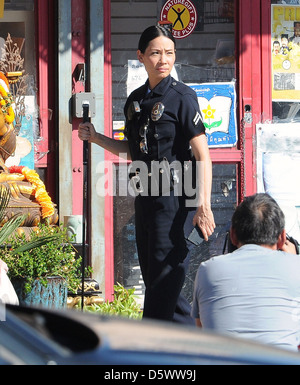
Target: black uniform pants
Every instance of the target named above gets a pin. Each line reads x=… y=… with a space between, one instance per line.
x=163 y=255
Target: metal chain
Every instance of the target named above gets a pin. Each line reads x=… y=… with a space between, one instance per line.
x=243 y=160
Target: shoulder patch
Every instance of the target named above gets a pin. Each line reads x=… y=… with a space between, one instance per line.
x=197 y=119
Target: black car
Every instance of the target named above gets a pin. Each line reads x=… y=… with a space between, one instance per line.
x=34 y=336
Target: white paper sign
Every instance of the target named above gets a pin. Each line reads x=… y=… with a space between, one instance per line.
x=137 y=75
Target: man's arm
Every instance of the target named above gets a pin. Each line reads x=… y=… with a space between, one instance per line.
x=198 y=323
x=289 y=247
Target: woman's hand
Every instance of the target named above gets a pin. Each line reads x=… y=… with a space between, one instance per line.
x=86 y=131
x=204 y=219
x=3 y=266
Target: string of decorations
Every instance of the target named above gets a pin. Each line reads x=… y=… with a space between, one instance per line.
x=39 y=189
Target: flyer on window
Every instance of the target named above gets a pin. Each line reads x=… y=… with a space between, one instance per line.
x=217 y=102
x=285 y=52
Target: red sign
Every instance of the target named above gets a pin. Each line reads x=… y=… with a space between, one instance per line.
x=183 y=16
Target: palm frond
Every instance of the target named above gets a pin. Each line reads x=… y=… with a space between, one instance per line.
x=43 y=240
x=4 y=199
x=13 y=223
x=9 y=227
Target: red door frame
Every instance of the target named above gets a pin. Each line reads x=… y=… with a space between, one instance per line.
x=45 y=148
x=109 y=158
x=254 y=64
x=79 y=47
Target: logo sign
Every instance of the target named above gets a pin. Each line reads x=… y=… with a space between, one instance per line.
x=119 y=136
x=183 y=16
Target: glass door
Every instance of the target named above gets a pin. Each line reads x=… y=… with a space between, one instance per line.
x=206 y=60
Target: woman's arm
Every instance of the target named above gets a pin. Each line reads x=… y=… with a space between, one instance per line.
x=204 y=217
x=86 y=131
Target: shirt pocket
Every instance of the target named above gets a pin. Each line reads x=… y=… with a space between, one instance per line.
x=164 y=135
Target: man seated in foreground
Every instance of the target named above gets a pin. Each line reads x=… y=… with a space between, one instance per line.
x=253 y=292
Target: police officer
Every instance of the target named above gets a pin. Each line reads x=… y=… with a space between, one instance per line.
x=163 y=127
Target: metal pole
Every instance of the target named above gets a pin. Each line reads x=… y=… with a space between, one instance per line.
x=85 y=107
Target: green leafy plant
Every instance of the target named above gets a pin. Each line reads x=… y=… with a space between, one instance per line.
x=48 y=253
x=124 y=304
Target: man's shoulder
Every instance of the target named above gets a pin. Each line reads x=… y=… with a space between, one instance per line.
x=252 y=252
x=217 y=259
x=242 y=252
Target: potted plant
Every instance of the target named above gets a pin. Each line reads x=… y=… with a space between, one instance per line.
x=43 y=274
x=43 y=267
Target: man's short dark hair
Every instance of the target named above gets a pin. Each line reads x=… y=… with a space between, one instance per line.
x=258 y=220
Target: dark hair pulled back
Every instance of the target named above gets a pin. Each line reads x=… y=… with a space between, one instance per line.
x=152 y=33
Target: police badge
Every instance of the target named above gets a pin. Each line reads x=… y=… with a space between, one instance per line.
x=157 y=111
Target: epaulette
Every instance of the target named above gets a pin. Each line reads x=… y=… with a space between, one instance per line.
x=182 y=88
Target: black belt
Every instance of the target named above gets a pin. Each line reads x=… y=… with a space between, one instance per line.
x=155 y=179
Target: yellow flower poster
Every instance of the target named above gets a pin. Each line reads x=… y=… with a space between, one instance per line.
x=285 y=52
x=217 y=103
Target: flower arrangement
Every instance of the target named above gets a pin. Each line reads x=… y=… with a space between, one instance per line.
x=47 y=253
x=6 y=100
x=39 y=189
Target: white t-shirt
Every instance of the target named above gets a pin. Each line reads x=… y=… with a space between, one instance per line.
x=253 y=292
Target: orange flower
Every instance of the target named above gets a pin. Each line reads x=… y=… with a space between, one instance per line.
x=39 y=191
x=4 y=78
x=7 y=105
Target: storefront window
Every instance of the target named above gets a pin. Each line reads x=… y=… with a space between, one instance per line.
x=205 y=56
x=17 y=55
x=126 y=262
x=285 y=31
x=277 y=148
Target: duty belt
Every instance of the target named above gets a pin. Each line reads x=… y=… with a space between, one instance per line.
x=154 y=179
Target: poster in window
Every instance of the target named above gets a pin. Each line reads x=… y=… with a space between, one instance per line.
x=285 y=52
x=217 y=102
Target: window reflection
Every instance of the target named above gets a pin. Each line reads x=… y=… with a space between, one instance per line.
x=18 y=63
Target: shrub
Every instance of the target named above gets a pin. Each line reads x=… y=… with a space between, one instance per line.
x=124 y=304
x=55 y=257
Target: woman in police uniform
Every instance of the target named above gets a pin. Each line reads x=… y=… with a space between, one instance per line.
x=163 y=125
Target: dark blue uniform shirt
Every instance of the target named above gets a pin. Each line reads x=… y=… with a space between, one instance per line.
x=169 y=136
